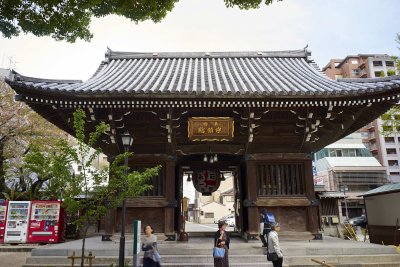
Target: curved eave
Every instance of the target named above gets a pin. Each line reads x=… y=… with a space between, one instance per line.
x=52 y=90
x=271 y=75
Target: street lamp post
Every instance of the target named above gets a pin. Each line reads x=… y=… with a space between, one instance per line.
x=127 y=141
x=344 y=188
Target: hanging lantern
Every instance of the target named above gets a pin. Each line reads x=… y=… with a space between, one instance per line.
x=206 y=181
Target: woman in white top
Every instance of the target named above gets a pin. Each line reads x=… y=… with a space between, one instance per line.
x=273 y=244
x=149 y=246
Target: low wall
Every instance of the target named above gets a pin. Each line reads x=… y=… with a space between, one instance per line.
x=387 y=235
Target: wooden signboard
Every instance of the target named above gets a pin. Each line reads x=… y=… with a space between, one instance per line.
x=210 y=128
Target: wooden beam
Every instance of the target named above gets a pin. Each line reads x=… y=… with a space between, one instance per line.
x=282 y=201
x=146 y=202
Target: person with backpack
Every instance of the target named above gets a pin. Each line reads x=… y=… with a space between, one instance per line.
x=266 y=219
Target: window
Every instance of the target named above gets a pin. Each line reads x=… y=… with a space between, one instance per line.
x=354 y=72
x=367 y=145
x=394 y=173
x=364 y=134
x=352 y=152
x=377 y=63
x=209 y=215
x=391 y=151
x=379 y=74
x=389 y=64
x=337 y=64
x=338 y=77
x=79 y=168
x=157 y=182
x=354 y=61
x=202 y=213
x=393 y=163
x=389 y=139
x=280 y=179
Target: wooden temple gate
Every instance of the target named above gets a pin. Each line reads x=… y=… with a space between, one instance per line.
x=262 y=113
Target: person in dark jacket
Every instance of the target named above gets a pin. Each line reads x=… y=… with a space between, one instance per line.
x=222 y=240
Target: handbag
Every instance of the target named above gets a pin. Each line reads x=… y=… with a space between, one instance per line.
x=272 y=256
x=157 y=256
x=218 y=253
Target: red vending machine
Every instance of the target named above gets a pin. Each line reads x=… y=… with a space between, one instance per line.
x=46 y=224
x=3 y=218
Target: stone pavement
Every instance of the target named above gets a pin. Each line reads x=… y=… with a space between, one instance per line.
x=197 y=252
x=13 y=259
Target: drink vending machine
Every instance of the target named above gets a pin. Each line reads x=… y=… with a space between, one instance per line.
x=3 y=216
x=17 y=221
x=46 y=223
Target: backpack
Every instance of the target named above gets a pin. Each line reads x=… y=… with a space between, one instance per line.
x=269 y=218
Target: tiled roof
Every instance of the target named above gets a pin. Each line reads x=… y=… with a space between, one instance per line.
x=383 y=189
x=332 y=195
x=235 y=74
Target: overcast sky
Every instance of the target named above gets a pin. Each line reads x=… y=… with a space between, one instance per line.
x=332 y=29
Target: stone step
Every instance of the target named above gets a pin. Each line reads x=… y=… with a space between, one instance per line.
x=168 y=265
x=165 y=259
x=233 y=259
x=236 y=249
x=387 y=264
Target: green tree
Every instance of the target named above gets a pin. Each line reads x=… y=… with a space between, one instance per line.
x=20 y=129
x=92 y=191
x=70 y=20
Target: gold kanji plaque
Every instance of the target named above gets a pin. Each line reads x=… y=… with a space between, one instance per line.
x=210 y=128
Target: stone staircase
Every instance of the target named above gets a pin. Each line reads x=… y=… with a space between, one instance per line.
x=197 y=253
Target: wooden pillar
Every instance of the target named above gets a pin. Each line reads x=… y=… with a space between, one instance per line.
x=109 y=222
x=170 y=197
x=250 y=202
x=312 y=210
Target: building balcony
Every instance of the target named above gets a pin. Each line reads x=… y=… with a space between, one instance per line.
x=370 y=126
x=362 y=73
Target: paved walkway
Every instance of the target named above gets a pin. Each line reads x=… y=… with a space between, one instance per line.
x=293 y=248
x=13 y=259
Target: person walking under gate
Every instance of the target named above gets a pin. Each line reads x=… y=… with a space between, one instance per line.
x=273 y=245
x=222 y=240
x=266 y=220
x=151 y=257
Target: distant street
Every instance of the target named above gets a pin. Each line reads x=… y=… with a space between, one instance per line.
x=195 y=227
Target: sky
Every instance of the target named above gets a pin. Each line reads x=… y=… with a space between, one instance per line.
x=330 y=28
